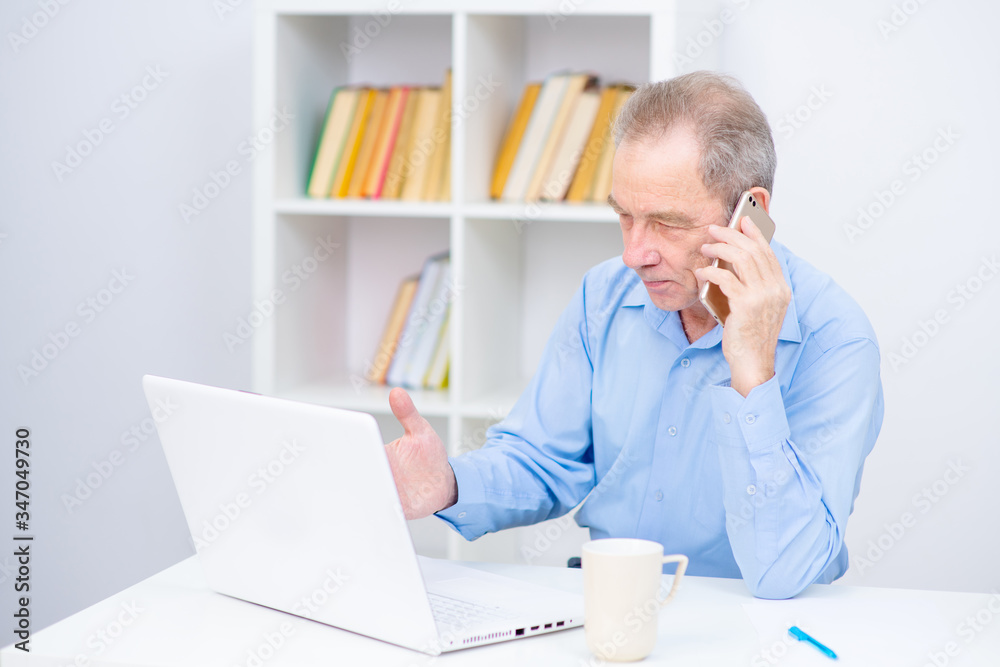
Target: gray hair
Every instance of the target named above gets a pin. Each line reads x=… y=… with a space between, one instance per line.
x=737 y=150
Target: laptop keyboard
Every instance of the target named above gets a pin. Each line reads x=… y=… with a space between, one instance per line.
x=459 y=614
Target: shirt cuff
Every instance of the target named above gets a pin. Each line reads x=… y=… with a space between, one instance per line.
x=757 y=422
x=470 y=512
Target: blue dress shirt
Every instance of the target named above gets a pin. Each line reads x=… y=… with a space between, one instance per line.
x=624 y=408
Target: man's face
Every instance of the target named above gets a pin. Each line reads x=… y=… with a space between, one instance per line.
x=664 y=211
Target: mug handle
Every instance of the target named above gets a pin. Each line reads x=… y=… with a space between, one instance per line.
x=682 y=563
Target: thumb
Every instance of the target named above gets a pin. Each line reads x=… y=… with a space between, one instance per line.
x=404 y=410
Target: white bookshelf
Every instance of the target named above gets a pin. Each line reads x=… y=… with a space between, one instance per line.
x=517 y=265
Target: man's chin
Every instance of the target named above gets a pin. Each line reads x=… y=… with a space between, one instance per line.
x=668 y=295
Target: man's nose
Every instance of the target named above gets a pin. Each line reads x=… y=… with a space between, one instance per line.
x=639 y=250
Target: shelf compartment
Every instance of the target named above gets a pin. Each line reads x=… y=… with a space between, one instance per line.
x=330 y=323
x=314 y=54
x=520 y=280
x=508 y=51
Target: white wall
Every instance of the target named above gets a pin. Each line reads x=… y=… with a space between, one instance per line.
x=61 y=241
x=891 y=94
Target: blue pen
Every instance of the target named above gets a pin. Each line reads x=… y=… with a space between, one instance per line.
x=803 y=637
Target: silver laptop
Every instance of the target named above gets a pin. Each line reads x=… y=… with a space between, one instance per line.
x=293 y=506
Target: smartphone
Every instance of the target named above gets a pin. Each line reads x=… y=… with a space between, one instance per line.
x=711 y=296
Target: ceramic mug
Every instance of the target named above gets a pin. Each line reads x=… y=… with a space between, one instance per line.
x=621 y=582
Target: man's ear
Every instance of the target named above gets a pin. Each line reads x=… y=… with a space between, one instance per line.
x=762 y=196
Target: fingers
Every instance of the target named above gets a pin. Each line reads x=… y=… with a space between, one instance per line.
x=745 y=264
x=749 y=253
x=727 y=282
x=404 y=410
x=741 y=239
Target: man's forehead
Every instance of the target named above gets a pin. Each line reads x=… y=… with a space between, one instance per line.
x=660 y=179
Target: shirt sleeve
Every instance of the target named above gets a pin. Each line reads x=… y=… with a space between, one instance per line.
x=791 y=466
x=537 y=464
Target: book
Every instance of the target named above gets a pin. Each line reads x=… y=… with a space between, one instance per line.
x=574 y=87
x=538 y=128
x=441 y=147
x=437 y=373
x=352 y=143
x=388 y=129
x=393 y=329
x=512 y=139
x=339 y=115
x=395 y=174
x=571 y=147
x=600 y=133
x=416 y=319
x=369 y=137
x=602 y=175
x=418 y=156
x=444 y=193
x=426 y=342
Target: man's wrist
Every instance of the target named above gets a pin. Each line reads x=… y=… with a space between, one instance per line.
x=451 y=498
x=744 y=382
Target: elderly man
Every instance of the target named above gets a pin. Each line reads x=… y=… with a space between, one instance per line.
x=741 y=446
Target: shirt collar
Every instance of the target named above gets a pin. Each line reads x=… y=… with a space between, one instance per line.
x=791 y=330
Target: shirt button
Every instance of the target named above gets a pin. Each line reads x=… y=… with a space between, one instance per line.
x=672 y=431
x=659 y=496
x=685 y=362
x=461 y=515
x=750 y=419
x=751 y=490
x=726 y=418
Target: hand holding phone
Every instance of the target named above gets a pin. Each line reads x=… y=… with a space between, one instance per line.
x=712 y=297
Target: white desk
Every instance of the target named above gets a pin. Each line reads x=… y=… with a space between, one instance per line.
x=174 y=619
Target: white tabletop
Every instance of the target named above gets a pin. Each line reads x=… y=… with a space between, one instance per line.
x=173 y=618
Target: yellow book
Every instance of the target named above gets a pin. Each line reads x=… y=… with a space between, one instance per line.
x=444 y=194
x=421 y=145
x=602 y=176
x=331 y=143
x=369 y=137
x=393 y=328
x=539 y=125
x=512 y=139
x=387 y=131
x=397 y=163
x=571 y=146
x=437 y=372
x=441 y=138
x=579 y=190
x=577 y=84
x=352 y=143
